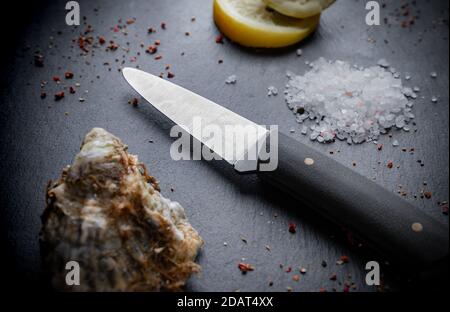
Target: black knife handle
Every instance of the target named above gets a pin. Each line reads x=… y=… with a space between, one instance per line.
x=390 y=224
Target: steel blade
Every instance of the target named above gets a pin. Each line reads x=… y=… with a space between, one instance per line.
x=183 y=107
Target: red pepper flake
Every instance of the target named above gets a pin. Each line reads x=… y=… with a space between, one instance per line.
x=245 y=267
x=68 y=75
x=167 y=67
x=158 y=42
x=112 y=46
x=158 y=57
x=288 y=270
x=346 y=289
x=187 y=34
x=333 y=277
x=59 y=95
x=428 y=195
x=134 y=102
x=43 y=95
x=220 y=61
x=170 y=75
x=101 y=40
x=296 y=278
x=151 y=30
x=292 y=228
x=323 y=290
x=116 y=29
x=219 y=39
x=390 y=164
x=130 y=21
x=344 y=259
x=71 y=90
x=151 y=49
x=163 y=25
x=379 y=147
x=193 y=18
x=56 y=79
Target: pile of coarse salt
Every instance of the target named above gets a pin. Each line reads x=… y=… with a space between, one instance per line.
x=348 y=102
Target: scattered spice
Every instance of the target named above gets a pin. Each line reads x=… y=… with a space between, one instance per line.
x=170 y=75
x=68 y=75
x=112 y=46
x=151 y=49
x=56 y=79
x=219 y=39
x=390 y=164
x=345 y=259
x=71 y=90
x=101 y=40
x=428 y=195
x=333 y=277
x=59 y=95
x=163 y=25
x=245 y=267
x=296 y=278
x=43 y=95
x=134 y=102
x=292 y=228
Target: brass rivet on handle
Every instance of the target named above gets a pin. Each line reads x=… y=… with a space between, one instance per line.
x=309 y=161
x=417 y=227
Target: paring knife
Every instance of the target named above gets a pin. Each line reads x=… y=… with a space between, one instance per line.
x=398 y=229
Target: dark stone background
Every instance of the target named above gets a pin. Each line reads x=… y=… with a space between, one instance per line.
x=38 y=139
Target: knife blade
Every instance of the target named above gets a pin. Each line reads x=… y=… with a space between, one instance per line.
x=395 y=228
x=183 y=107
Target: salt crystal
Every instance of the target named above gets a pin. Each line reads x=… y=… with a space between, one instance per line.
x=231 y=80
x=395 y=143
x=347 y=102
x=304 y=130
x=433 y=75
x=416 y=89
x=299 y=52
x=434 y=99
x=272 y=91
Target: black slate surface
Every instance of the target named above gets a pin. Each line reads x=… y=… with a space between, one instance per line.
x=40 y=137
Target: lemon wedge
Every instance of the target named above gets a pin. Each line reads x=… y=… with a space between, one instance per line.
x=299 y=8
x=250 y=23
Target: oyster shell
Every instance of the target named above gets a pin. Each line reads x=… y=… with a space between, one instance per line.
x=106 y=213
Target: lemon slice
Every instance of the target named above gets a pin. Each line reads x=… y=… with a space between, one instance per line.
x=299 y=8
x=251 y=24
